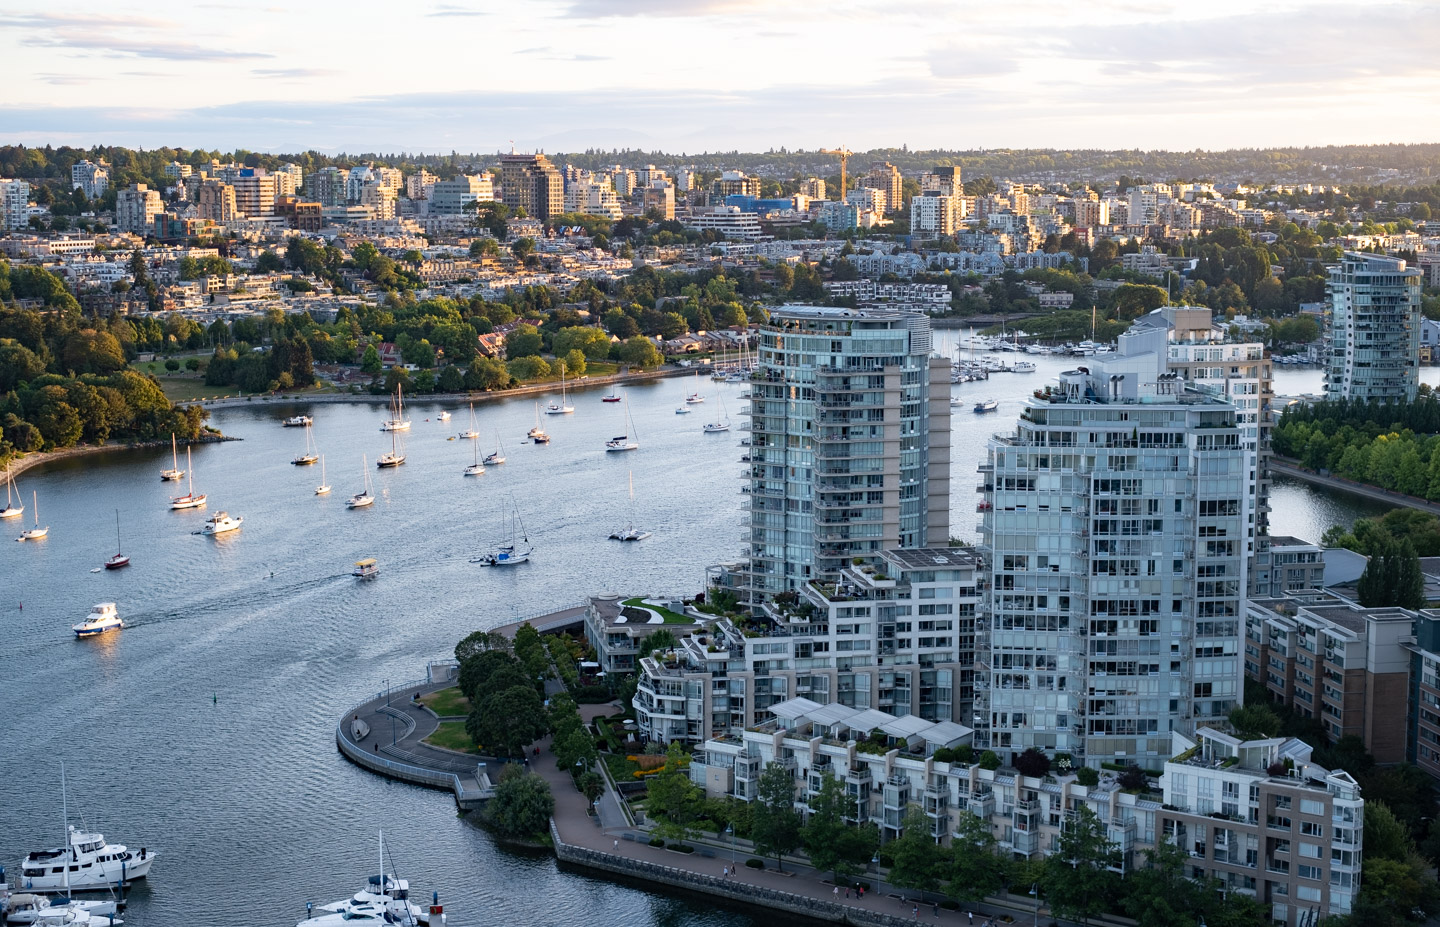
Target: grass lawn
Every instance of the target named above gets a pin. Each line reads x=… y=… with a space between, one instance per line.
x=188 y=389
x=669 y=616
x=451 y=735
x=447 y=702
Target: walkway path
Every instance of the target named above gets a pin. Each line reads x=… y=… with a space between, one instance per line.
x=1389 y=496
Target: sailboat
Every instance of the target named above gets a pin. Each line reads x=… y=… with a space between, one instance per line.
x=537 y=434
x=309 y=455
x=174 y=473
x=624 y=442
x=723 y=424
x=472 y=433
x=611 y=396
x=324 y=487
x=189 y=500
x=697 y=396
x=563 y=407
x=630 y=532
x=37 y=532
x=364 y=497
x=396 y=457
x=499 y=456
x=119 y=560
x=476 y=468
x=398 y=422
x=11 y=509
x=516 y=550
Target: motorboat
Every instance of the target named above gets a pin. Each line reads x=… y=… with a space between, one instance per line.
x=443 y=416
x=102 y=618
x=987 y=405
x=166 y=476
x=37 y=532
x=221 y=523
x=191 y=500
x=310 y=455
x=32 y=909
x=364 y=497
x=682 y=410
x=397 y=421
x=365 y=569
x=120 y=560
x=324 y=488
x=1023 y=367
x=298 y=421
x=385 y=899
x=93 y=865
x=610 y=396
x=629 y=533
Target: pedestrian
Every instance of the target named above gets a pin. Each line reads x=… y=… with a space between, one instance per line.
x=971 y=915
x=727 y=872
x=847 y=891
x=936 y=906
x=836 y=893
x=915 y=912
x=617 y=844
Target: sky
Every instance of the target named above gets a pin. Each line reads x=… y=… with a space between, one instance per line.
x=718 y=75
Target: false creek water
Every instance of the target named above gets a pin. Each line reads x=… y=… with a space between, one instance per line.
x=205 y=729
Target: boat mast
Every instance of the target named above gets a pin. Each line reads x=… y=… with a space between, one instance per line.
x=117 y=532
x=65 y=815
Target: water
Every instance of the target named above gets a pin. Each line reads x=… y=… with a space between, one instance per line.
x=205 y=730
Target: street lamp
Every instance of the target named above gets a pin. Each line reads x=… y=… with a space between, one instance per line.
x=730 y=829
x=1035 y=893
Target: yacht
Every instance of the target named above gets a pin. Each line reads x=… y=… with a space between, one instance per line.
x=174 y=473
x=190 y=500
x=697 y=396
x=396 y=457
x=94 y=865
x=102 y=618
x=386 y=904
x=723 y=424
x=221 y=523
x=365 y=569
x=682 y=410
x=364 y=497
x=562 y=407
x=610 y=396
x=987 y=405
x=37 y=532
x=30 y=908
x=298 y=421
x=1023 y=367
x=630 y=532
x=443 y=416
x=310 y=455
x=476 y=468
x=398 y=422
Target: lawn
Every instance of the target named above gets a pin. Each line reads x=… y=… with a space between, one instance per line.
x=452 y=736
x=447 y=702
x=669 y=616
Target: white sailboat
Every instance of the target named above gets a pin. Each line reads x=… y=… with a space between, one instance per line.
x=174 y=473
x=512 y=552
x=308 y=456
x=190 y=500
x=537 y=434
x=396 y=457
x=697 y=396
x=476 y=468
x=624 y=442
x=121 y=559
x=499 y=456
x=562 y=407
x=723 y=424
x=398 y=422
x=472 y=432
x=385 y=899
x=37 y=532
x=630 y=532
x=12 y=509
x=364 y=497
x=324 y=487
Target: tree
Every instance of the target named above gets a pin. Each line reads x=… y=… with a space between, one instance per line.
x=486 y=373
x=917 y=861
x=529 y=368
x=1159 y=894
x=522 y=805
x=831 y=843
x=478 y=642
x=370 y=362
x=1032 y=762
x=1392 y=576
x=524 y=341
x=774 y=822
x=452 y=380
x=577 y=747
x=479 y=666
x=506 y=722
x=1255 y=721
x=976 y=870
x=574 y=362
x=269 y=263
x=673 y=798
x=1134 y=300
x=640 y=352
x=1385 y=837
x=1077 y=880
x=592 y=342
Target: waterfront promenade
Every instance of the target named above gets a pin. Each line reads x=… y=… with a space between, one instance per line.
x=1282 y=467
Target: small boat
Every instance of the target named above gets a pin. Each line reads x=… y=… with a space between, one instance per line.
x=472 y=433
x=298 y=421
x=537 y=434
x=987 y=405
x=365 y=569
x=697 y=396
x=11 y=509
x=190 y=500
x=476 y=468
x=623 y=442
x=37 y=532
x=611 y=396
x=515 y=551
x=1023 y=367
x=174 y=473
x=630 y=532
x=722 y=425
x=498 y=457
x=397 y=422
x=308 y=456
x=385 y=899
x=119 y=561
x=30 y=908
x=364 y=497
x=562 y=407
x=443 y=417
x=221 y=523
x=396 y=457
x=682 y=410
x=102 y=618
x=324 y=487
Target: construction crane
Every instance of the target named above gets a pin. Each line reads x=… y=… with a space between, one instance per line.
x=844 y=154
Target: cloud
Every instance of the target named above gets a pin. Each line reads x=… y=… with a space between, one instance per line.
x=64 y=80
x=293 y=73
x=37 y=20
x=117 y=36
x=454 y=10
x=605 y=9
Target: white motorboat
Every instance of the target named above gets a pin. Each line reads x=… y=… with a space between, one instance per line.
x=190 y=500
x=397 y=422
x=102 y=618
x=987 y=405
x=364 y=497
x=310 y=455
x=443 y=416
x=174 y=473
x=682 y=410
x=1023 y=367
x=324 y=488
x=513 y=552
x=221 y=523
x=93 y=865
x=37 y=532
x=365 y=569
x=497 y=458
x=30 y=908
x=387 y=904
x=472 y=433
x=562 y=407
x=298 y=421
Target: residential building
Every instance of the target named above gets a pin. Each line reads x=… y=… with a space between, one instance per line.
x=532 y=183
x=850 y=444
x=328 y=186
x=1115 y=521
x=885 y=176
x=254 y=192
x=839 y=215
x=1091 y=212
x=734 y=183
x=90 y=177
x=1292 y=566
x=1346 y=666
x=178 y=170
x=1423 y=719
x=870 y=199
x=14 y=204
x=684 y=180
x=302 y=215
x=934 y=214
x=595 y=198
x=1372 y=329
x=659 y=196
x=813 y=188
x=450 y=197
x=942 y=180
x=624 y=181
x=290 y=178
x=730 y=221
x=418 y=185
x=215 y=200
x=136 y=208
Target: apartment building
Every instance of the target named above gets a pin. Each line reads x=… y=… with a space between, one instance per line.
x=734 y=183
x=594 y=198
x=1372 y=329
x=418 y=185
x=1114 y=523
x=532 y=183
x=659 y=196
x=850 y=444
x=1347 y=666
x=1423 y=718
x=14 y=204
x=90 y=177
x=885 y=177
x=328 y=187
x=215 y=200
x=1286 y=565
x=942 y=180
x=813 y=188
x=731 y=221
x=451 y=197
x=136 y=208
x=933 y=214
x=255 y=192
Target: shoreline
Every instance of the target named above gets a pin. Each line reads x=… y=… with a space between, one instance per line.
x=39 y=458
